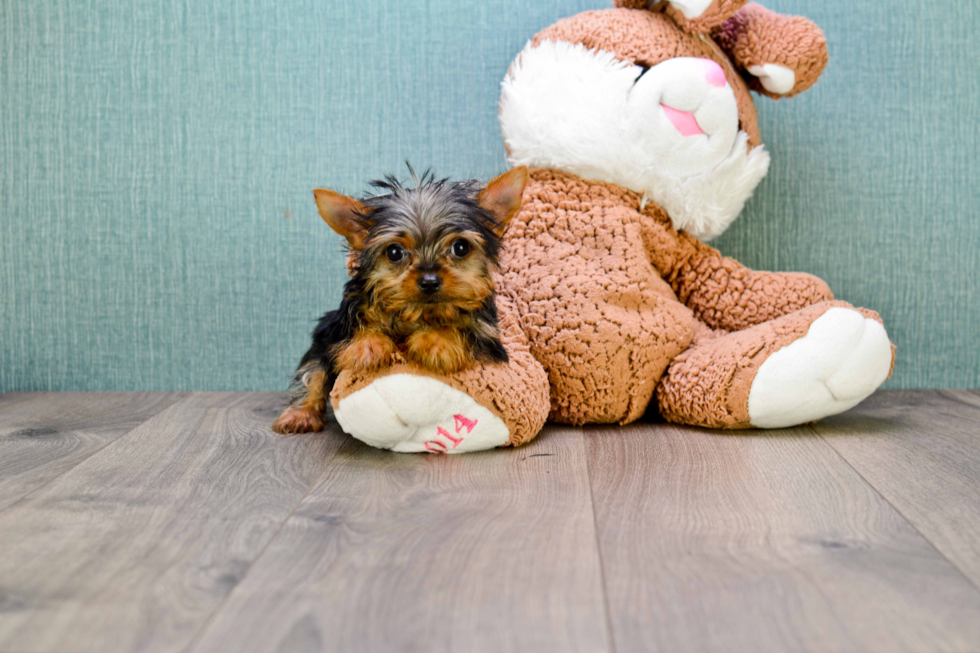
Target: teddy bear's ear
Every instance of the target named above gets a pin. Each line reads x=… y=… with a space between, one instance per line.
x=698 y=16
x=503 y=196
x=345 y=215
x=782 y=56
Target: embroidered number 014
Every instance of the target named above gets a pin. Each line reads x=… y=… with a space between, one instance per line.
x=460 y=423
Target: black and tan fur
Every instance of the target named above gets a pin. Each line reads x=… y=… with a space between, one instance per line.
x=421 y=286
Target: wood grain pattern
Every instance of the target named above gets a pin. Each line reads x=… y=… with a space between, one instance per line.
x=44 y=434
x=921 y=451
x=136 y=546
x=190 y=532
x=492 y=551
x=763 y=542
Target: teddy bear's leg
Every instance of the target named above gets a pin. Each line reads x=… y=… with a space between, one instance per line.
x=604 y=327
x=816 y=362
x=692 y=15
x=783 y=55
x=406 y=409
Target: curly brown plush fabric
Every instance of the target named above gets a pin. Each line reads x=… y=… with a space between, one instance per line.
x=757 y=36
x=598 y=317
x=609 y=294
x=721 y=291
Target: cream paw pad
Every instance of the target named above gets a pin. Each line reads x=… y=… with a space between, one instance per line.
x=841 y=360
x=408 y=414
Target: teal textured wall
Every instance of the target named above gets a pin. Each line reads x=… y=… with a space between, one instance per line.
x=158 y=230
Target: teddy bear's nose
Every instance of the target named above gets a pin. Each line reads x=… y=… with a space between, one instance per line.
x=714 y=73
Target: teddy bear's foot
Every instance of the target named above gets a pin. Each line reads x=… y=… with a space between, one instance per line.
x=801 y=367
x=841 y=360
x=408 y=413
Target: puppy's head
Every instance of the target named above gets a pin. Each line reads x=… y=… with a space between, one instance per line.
x=429 y=245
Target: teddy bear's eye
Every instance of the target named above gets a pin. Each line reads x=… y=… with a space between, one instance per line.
x=643 y=72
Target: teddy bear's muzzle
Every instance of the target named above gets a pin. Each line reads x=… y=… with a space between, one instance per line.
x=683 y=113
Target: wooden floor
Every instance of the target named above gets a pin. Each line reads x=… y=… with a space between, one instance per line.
x=179 y=522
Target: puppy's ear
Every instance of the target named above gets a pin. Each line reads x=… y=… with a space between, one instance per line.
x=503 y=196
x=345 y=215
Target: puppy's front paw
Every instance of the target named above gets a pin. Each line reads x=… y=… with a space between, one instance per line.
x=438 y=350
x=298 y=420
x=366 y=353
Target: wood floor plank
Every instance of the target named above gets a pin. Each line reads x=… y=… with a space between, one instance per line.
x=134 y=548
x=44 y=434
x=491 y=551
x=921 y=450
x=763 y=542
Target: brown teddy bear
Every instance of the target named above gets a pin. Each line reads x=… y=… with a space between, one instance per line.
x=643 y=141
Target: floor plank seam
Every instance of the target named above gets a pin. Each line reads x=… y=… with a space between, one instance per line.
x=195 y=640
x=908 y=521
x=120 y=437
x=598 y=547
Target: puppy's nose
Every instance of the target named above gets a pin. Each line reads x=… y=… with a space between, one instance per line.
x=429 y=283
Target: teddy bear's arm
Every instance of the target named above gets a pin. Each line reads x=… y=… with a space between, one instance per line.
x=698 y=16
x=723 y=293
x=781 y=56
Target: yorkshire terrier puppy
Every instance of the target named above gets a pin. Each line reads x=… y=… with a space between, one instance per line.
x=421 y=287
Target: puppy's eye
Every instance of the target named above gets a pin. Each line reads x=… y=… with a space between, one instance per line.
x=461 y=247
x=395 y=253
